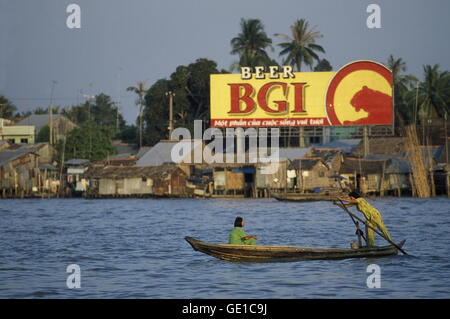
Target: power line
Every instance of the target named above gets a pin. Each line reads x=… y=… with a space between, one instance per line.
x=60 y=98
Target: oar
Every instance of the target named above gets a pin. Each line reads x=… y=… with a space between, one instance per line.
x=354 y=222
x=376 y=231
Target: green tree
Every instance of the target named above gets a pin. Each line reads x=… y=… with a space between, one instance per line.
x=7 y=108
x=156 y=113
x=434 y=92
x=89 y=141
x=102 y=111
x=191 y=86
x=300 y=47
x=140 y=90
x=43 y=135
x=128 y=134
x=323 y=65
x=404 y=92
x=251 y=44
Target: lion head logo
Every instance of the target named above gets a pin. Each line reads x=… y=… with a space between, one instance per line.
x=376 y=103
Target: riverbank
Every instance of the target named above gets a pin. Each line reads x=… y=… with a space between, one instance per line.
x=130 y=248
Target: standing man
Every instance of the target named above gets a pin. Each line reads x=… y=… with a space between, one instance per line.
x=238 y=235
x=372 y=215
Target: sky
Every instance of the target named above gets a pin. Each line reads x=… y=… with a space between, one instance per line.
x=121 y=42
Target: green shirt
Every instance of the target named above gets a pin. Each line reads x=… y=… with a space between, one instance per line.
x=237 y=237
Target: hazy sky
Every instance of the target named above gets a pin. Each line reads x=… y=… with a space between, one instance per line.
x=123 y=41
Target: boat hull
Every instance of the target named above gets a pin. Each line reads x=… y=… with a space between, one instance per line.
x=259 y=253
x=305 y=197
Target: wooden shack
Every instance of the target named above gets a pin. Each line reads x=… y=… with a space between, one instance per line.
x=397 y=176
x=331 y=157
x=365 y=175
x=311 y=173
x=19 y=172
x=229 y=180
x=165 y=180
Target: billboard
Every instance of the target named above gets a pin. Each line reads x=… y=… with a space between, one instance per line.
x=360 y=93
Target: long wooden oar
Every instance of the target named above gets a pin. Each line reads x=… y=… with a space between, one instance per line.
x=376 y=231
x=354 y=221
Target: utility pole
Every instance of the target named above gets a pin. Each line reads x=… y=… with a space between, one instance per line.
x=50 y=114
x=447 y=165
x=88 y=100
x=119 y=99
x=366 y=141
x=170 y=94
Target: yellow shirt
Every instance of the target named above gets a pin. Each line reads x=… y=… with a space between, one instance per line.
x=370 y=212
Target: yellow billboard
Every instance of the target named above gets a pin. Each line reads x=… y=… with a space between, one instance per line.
x=360 y=93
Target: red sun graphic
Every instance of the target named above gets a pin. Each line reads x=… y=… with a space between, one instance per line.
x=378 y=105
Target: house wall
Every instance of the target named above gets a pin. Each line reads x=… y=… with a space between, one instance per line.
x=21 y=174
x=235 y=181
x=395 y=181
x=178 y=182
x=17 y=133
x=268 y=180
x=317 y=177
x=219 y=178
x=106 y=186
x=174 y=184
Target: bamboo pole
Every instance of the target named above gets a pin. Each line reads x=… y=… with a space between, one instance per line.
x=342 y=205
x=415 y=156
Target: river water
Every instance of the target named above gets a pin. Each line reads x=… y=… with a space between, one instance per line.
x=136 y=249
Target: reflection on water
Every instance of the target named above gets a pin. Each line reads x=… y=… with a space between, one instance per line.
x=135 y=249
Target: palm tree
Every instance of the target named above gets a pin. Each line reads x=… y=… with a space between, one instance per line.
x=301 y=44
x=140 y=90
x=251 y=44
x=7 y=109
x=323 y=66
x=404 y=91
x=434 y=92
x=397 y=66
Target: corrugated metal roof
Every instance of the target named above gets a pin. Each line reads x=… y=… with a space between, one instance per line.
x=346 y=145
x=398 y=166
x=38 y=120
x=8 y=156
x=142 y=151
x=161 y=153
x=76 y=161
x=292 y=153
x=362 y=166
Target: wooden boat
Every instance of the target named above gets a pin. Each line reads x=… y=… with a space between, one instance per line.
x=259 y=253
x=311 y=197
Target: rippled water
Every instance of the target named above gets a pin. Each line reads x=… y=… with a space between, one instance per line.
x=136 y=249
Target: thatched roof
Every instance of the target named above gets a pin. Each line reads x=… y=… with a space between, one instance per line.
x=362 y=166
x=10 y=155
x=305 y=164
x=326 y=154
x=123 y=172
x=381 y=145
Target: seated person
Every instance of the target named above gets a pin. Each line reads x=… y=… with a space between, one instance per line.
x=238 y=235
